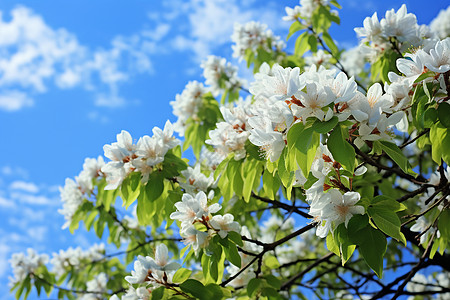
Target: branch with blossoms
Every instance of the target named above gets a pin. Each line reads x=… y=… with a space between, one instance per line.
x=325 y=176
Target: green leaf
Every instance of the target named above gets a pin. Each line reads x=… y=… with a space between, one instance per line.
x=236 y=238
x=387 y=220
x=158 y=294
x=22 y=286
x=330 y=43
x=296 y=26
x=346 y=247
x=214 y=292
x=332 y=245
x=181 y=275
x=214 y=270
x=154 y=186
x=387 y=203
x=305 y=141
x=232 y=255
x=194 y=287
x=271 y=184
x=342 y=151
x=302 y=45
x=444 y=227
x=90 y=219
x=234 y=175
x=335 y=3
x=251 y=172
x=372 y=246
x=287 y=177
x=418 y=108
x=130 y=189
x=440 y=143
x=312 y=42
x=394 y=152
x=272 y=262
x=324 y=127
x=253 y=286
x=205 y=265
x=444 y=114
x=424 y=76
x=430 y=117
x=173 y=165
x=273 y=281
x=270 y=292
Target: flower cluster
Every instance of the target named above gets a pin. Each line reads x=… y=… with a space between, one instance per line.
x=397 y=30
x=424 y=225
x=304 y=12
x=353 y=61
x=187 y=104
x=142 y=157
x=320 y=58
x=74 y=191
x=196 y=181
x=220 y=74
x=328 y=205
x=231 y=135
x=284 y=96
x=197 y=224
x=96 y=288
x=252 y=36
x=440 y=25
x=435 y=59
x=73 y=258
x=210 y=159
x=24 y=265
x=150 y=273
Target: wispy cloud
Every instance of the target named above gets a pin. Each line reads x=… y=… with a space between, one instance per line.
x=206 y=25
x=14 y=100
x=30 y=218
x=34 y=56
x=29 y=187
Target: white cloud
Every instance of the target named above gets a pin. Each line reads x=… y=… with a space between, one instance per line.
x=33 y=199
x=33 y=55
x=38 y=233
x=24 y=186
x=14 y=100
x=14 y=171
x=6 y=203
x=210 y=22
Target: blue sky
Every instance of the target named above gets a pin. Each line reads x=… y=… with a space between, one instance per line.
x=73 y=74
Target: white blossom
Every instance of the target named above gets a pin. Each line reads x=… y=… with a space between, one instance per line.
x=440 y=25
x=153 y=270
x=195 y=238
x=292 y=14
x=98 y=285
x=224 y=224
x=192 y=208
x=196 y=181
x=121 y=154
x=187 y=105
x=23 y=265
x=72 y=197
x=251 y=36
x=281 y=84
x=220 y=74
